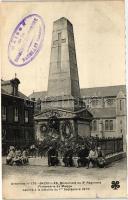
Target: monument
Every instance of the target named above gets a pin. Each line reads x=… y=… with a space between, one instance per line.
x=63 y=114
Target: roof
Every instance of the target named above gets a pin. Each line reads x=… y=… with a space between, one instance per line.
x=103 y=91
x=38 y=95
x=7 y=90
x=90 y=92
x=103 y=112
x=23 y=96
x=3 y=91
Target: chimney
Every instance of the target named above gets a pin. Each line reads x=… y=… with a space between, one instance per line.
x=15 y=83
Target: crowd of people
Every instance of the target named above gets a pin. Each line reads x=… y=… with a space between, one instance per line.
x=84 y=156
x=16 y=156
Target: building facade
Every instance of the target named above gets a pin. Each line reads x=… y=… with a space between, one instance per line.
x=17 y=116
x=108 y=107
x=106 y=104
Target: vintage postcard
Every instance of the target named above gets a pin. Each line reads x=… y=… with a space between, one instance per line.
x=63 y=94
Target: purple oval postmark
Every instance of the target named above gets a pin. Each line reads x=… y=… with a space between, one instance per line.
x=26 y=40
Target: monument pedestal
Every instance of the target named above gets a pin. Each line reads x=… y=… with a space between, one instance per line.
x=66 y=102
x=62 y=124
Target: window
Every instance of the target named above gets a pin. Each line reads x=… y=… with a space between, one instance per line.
x=26 y=116
x=33 y=99
x=110 y=102
x=111 y=124
x=95 y=102
x=4 y=113
x=16 y=114
x=120 y=105
x=94 y=125
x=108 y=125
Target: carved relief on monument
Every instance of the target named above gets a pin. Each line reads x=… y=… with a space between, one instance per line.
x=55 y=113
x=52 y=113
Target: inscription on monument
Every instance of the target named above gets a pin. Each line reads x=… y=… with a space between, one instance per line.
x=57 y=43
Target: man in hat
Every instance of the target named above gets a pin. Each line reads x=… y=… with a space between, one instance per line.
x=67 y=159
x=82 y=156
x=52 y=156
x=101 y=158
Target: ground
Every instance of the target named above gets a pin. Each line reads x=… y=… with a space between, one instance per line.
x=38 y=171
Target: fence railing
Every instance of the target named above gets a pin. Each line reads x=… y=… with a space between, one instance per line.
x=110 y=145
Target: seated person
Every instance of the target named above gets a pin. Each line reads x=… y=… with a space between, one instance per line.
x=33 y=150
x=67 y=159
x=10 y=157
x=18 y=157
x=92 y=158
x=25 y=157
x=11 y=148
x=82 y=156
x=101 y=158
x=52 y=157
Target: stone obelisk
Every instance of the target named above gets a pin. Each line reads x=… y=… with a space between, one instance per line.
x=63 y=73
x=63 y=114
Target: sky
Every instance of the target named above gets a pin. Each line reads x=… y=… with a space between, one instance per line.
x=99 y=34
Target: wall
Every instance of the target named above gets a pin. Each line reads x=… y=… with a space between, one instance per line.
x=121 y=123
x=17 y=133
x=84 y=128
x=100 y=102
x=109 y=102
x=67 y=103
x=101 y=132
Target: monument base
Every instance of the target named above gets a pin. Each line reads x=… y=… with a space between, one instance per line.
x=67 y=102
x=62 y=124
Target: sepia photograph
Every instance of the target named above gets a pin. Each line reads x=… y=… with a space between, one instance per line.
x=63 y=100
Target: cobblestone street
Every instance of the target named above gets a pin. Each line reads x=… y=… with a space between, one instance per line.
x=38 y=170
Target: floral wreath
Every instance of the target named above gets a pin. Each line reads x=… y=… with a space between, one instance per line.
x=44 y=128
x=68 y=125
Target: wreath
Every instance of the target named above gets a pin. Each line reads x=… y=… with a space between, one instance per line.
x=44 y=128
x=67 y=129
